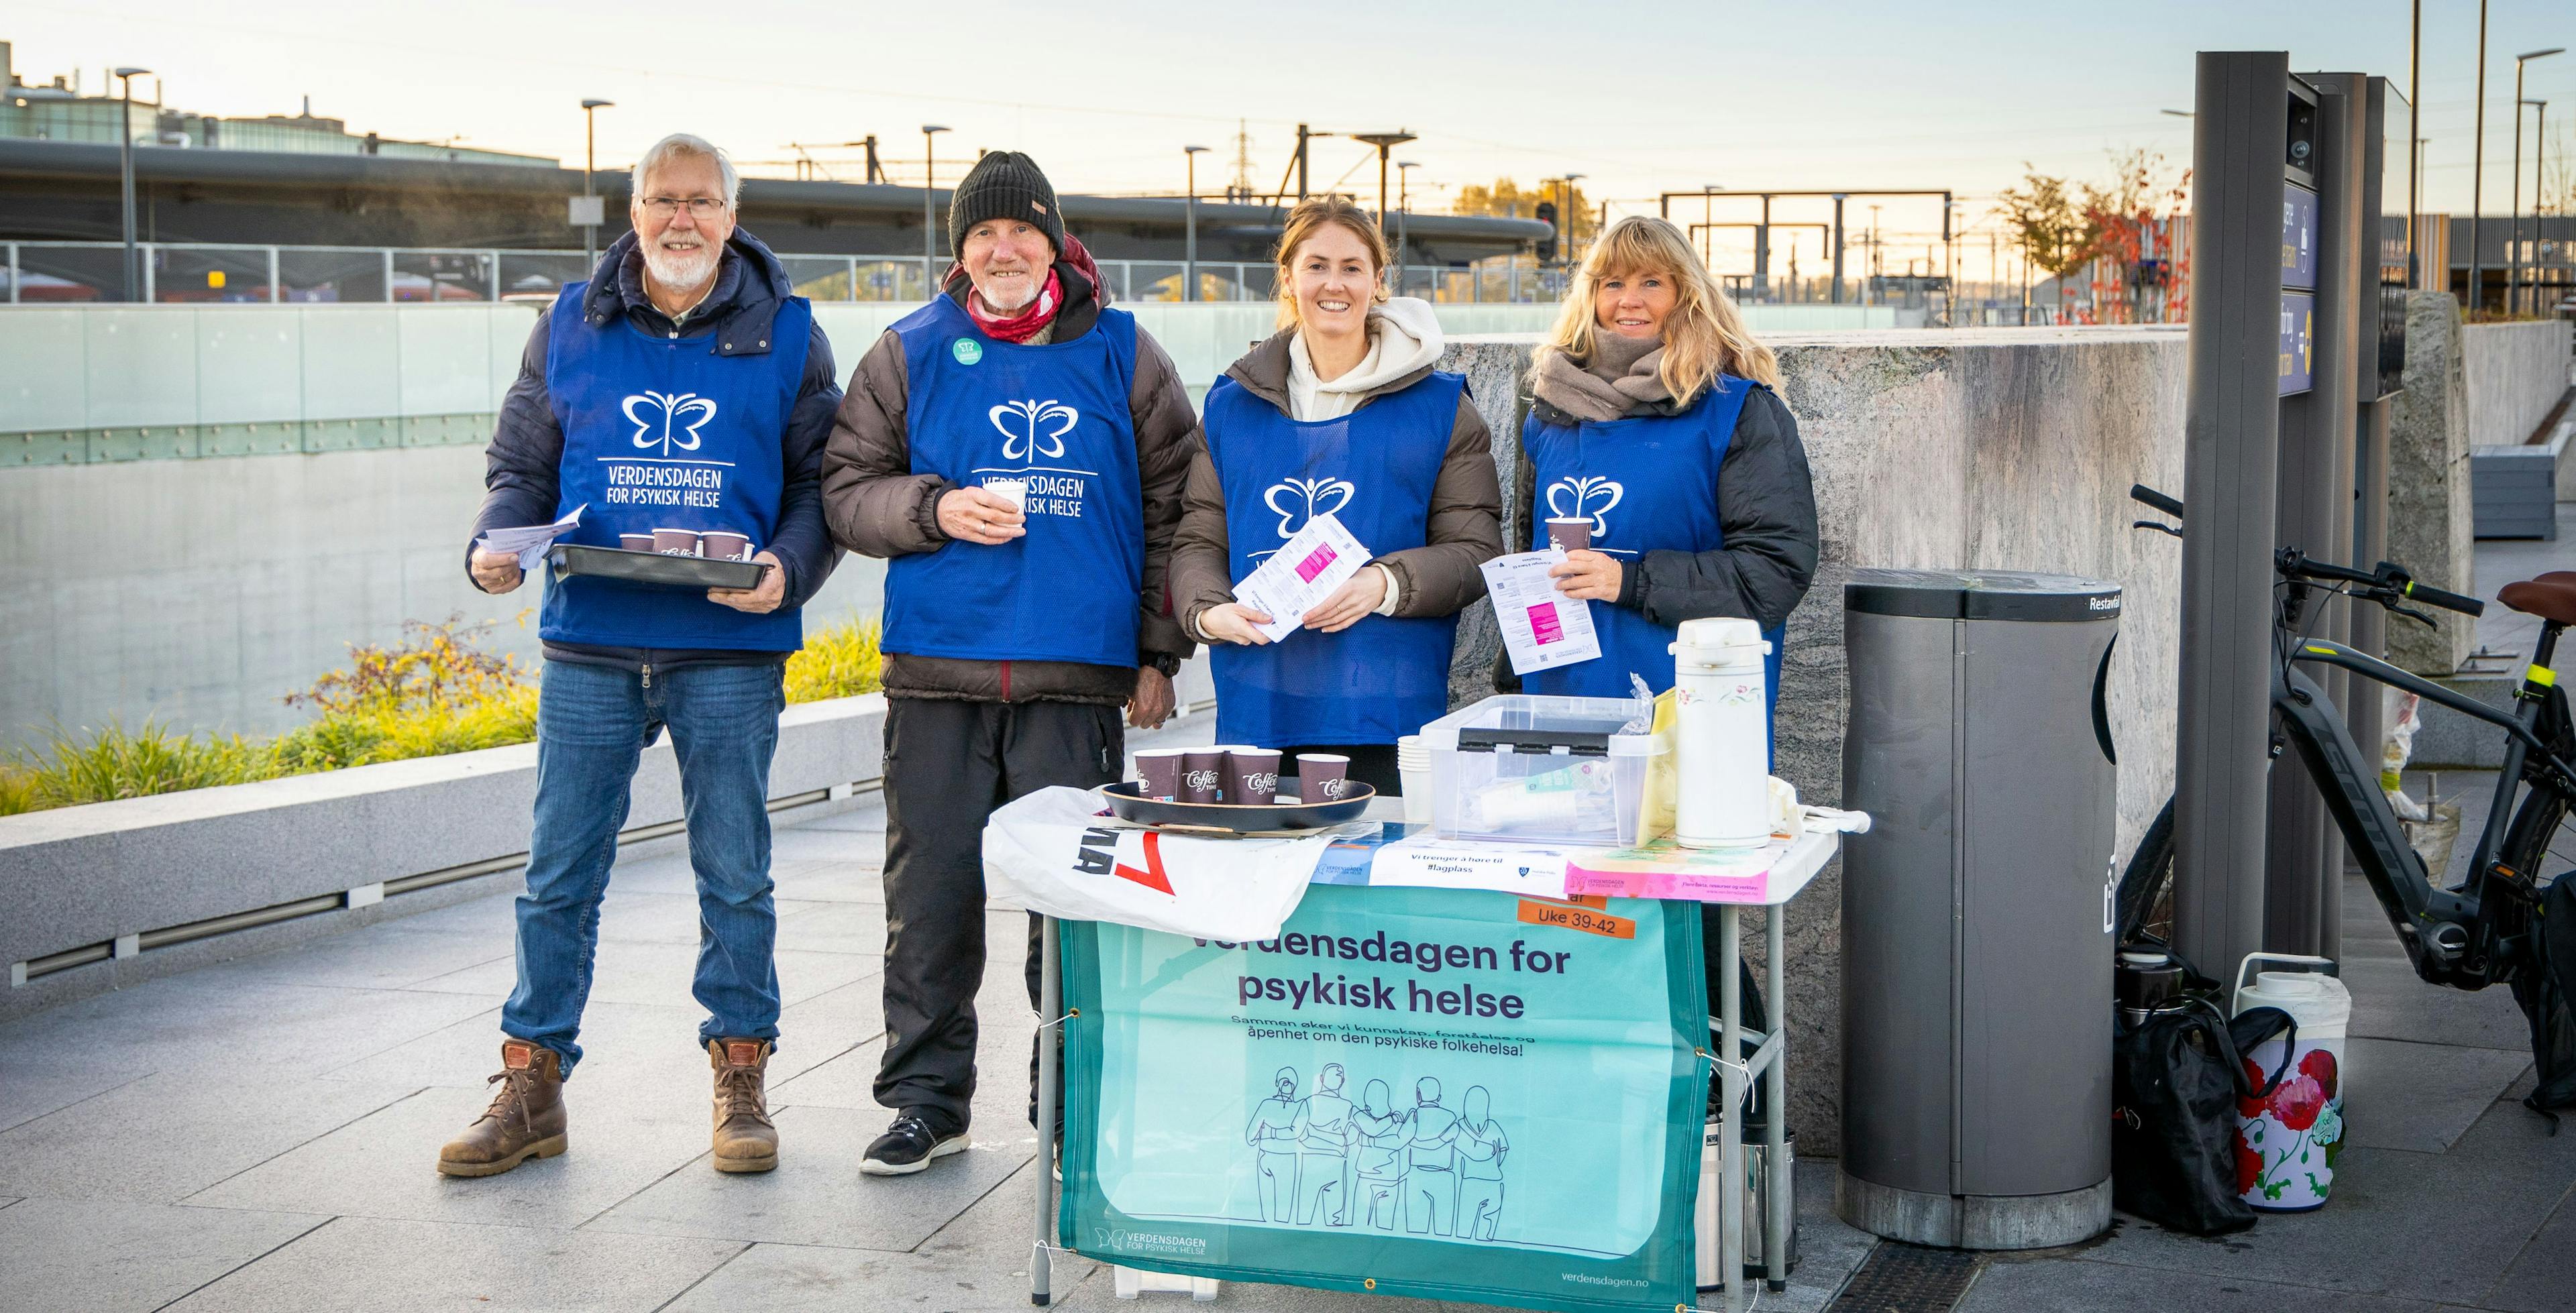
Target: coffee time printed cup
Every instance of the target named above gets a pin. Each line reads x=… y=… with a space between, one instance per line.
x=1252 y=775
x=1569 y=533
x=676 y=542
x=725 y=546
x=1201 y=771
x=1322 y=776
x=1160 y=770
x=635 y=542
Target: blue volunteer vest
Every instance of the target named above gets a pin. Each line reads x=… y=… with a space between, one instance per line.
x=1372 y=469
x=1649 y=484
x=667 y=433
x=979 y=409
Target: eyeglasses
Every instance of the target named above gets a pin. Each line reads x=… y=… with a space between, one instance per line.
x=701 y=208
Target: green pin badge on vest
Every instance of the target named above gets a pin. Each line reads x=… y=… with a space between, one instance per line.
x=967 y=350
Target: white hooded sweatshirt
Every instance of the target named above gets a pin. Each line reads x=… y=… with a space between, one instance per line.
x=1404 y=335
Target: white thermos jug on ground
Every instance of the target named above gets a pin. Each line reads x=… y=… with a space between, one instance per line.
x=1722 y=740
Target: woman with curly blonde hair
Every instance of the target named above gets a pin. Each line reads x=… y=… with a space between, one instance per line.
x=1655 y=421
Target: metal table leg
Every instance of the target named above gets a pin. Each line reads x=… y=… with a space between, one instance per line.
x=1775 y=1085
x=1050 y=1012
x=1730 y=1153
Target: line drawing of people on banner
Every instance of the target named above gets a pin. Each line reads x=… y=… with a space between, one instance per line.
x=1323 y=1133
x=1431 y=1163
x=1273 y=1135
x=1377 y=1157
x=1428 y=1169
x=1482 y=1147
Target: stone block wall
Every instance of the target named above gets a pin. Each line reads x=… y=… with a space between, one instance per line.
x=1986 y=449
x=2430 y=516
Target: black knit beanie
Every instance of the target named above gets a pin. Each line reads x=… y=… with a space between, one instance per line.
x=1004 y=185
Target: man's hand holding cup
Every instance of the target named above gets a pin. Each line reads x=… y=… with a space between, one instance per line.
x=976 y=516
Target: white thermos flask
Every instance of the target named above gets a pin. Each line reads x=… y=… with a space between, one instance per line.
x=1722 y=734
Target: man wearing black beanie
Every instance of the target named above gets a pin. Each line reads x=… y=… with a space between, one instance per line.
x=1016 y=450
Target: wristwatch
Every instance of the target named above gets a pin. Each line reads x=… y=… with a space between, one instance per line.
x=1165 y=662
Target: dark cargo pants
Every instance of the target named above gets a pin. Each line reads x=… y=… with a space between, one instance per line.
x=948 y=765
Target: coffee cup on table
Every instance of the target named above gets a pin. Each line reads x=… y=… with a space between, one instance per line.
x=635 y=542
x=1252 y=775
x=1569 y=533
x=676 y=542
x=1322 y=776
x=1014 y=491
x=1160 y=771
x=1201 y=770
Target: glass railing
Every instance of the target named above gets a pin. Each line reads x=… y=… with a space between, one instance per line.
x=216 y=273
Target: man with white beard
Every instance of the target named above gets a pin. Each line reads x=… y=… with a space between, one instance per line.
x=682 y=392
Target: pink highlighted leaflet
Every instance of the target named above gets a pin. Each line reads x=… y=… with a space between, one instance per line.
x=1545 y=628
x=1315 y=563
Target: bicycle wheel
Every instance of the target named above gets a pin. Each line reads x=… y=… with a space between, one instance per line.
x=2145 y=897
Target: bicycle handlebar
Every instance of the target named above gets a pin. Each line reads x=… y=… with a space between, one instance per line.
x=2430 y=596
x=2141 y=493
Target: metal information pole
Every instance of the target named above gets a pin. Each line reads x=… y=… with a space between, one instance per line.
x=2242 y=161
x=2287 y=272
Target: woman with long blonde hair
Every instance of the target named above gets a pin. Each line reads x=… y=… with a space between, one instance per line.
x=1343 y=411
x=1655 y=424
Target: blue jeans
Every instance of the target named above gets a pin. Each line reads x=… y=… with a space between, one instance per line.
x=593 y=723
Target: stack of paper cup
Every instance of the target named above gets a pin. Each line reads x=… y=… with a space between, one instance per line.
x=1413 y=767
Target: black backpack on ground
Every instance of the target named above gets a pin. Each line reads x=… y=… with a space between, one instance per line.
x=2545 y=986
x=2175 y=1080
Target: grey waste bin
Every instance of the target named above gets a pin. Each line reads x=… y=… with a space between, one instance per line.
x=1975 y=934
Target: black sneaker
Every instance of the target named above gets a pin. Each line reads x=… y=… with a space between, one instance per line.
x=909 y=1145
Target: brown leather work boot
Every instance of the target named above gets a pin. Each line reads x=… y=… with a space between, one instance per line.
x=526 y=1119
x=745 y=1139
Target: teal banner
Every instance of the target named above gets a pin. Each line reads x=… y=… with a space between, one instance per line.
x=1446 y=1094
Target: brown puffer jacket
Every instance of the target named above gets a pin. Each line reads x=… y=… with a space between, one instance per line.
x=875 y=504
x=1439 y=578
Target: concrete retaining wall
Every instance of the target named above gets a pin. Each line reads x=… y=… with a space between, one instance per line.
x=2515 y=374
x=199 y=592
x=1986 y=449
x=117 y=872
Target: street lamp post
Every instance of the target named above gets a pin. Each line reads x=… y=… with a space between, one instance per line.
x=929 y=213
x=1190 y=220
x=1403 y=211
x=125 y=171
x=589 y=182
x=1384 y=141
x=1566 y=211
x=2513 y=256
x=2478 y=171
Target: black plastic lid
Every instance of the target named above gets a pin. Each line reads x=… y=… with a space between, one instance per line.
x=1981 y=595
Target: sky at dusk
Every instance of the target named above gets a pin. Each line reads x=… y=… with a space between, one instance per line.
x=1639 y=97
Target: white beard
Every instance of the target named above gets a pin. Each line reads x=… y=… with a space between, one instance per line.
x=1028 y=286
x=680 y=269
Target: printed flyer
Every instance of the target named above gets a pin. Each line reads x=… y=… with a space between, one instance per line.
x=1440 y=1093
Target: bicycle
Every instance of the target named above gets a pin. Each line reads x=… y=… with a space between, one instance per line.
x=2469 y=937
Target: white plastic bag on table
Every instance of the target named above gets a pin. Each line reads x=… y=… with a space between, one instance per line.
x=1052 y=852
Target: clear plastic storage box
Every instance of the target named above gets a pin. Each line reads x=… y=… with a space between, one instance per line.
x=1535 y=769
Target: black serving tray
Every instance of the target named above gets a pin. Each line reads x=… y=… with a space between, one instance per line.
x=1237 y=817
x=653 y=567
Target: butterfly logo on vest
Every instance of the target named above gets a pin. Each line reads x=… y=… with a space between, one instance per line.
x=689 y=411
x=1041 y=428
x=1298 y=500
x=1591 y=497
